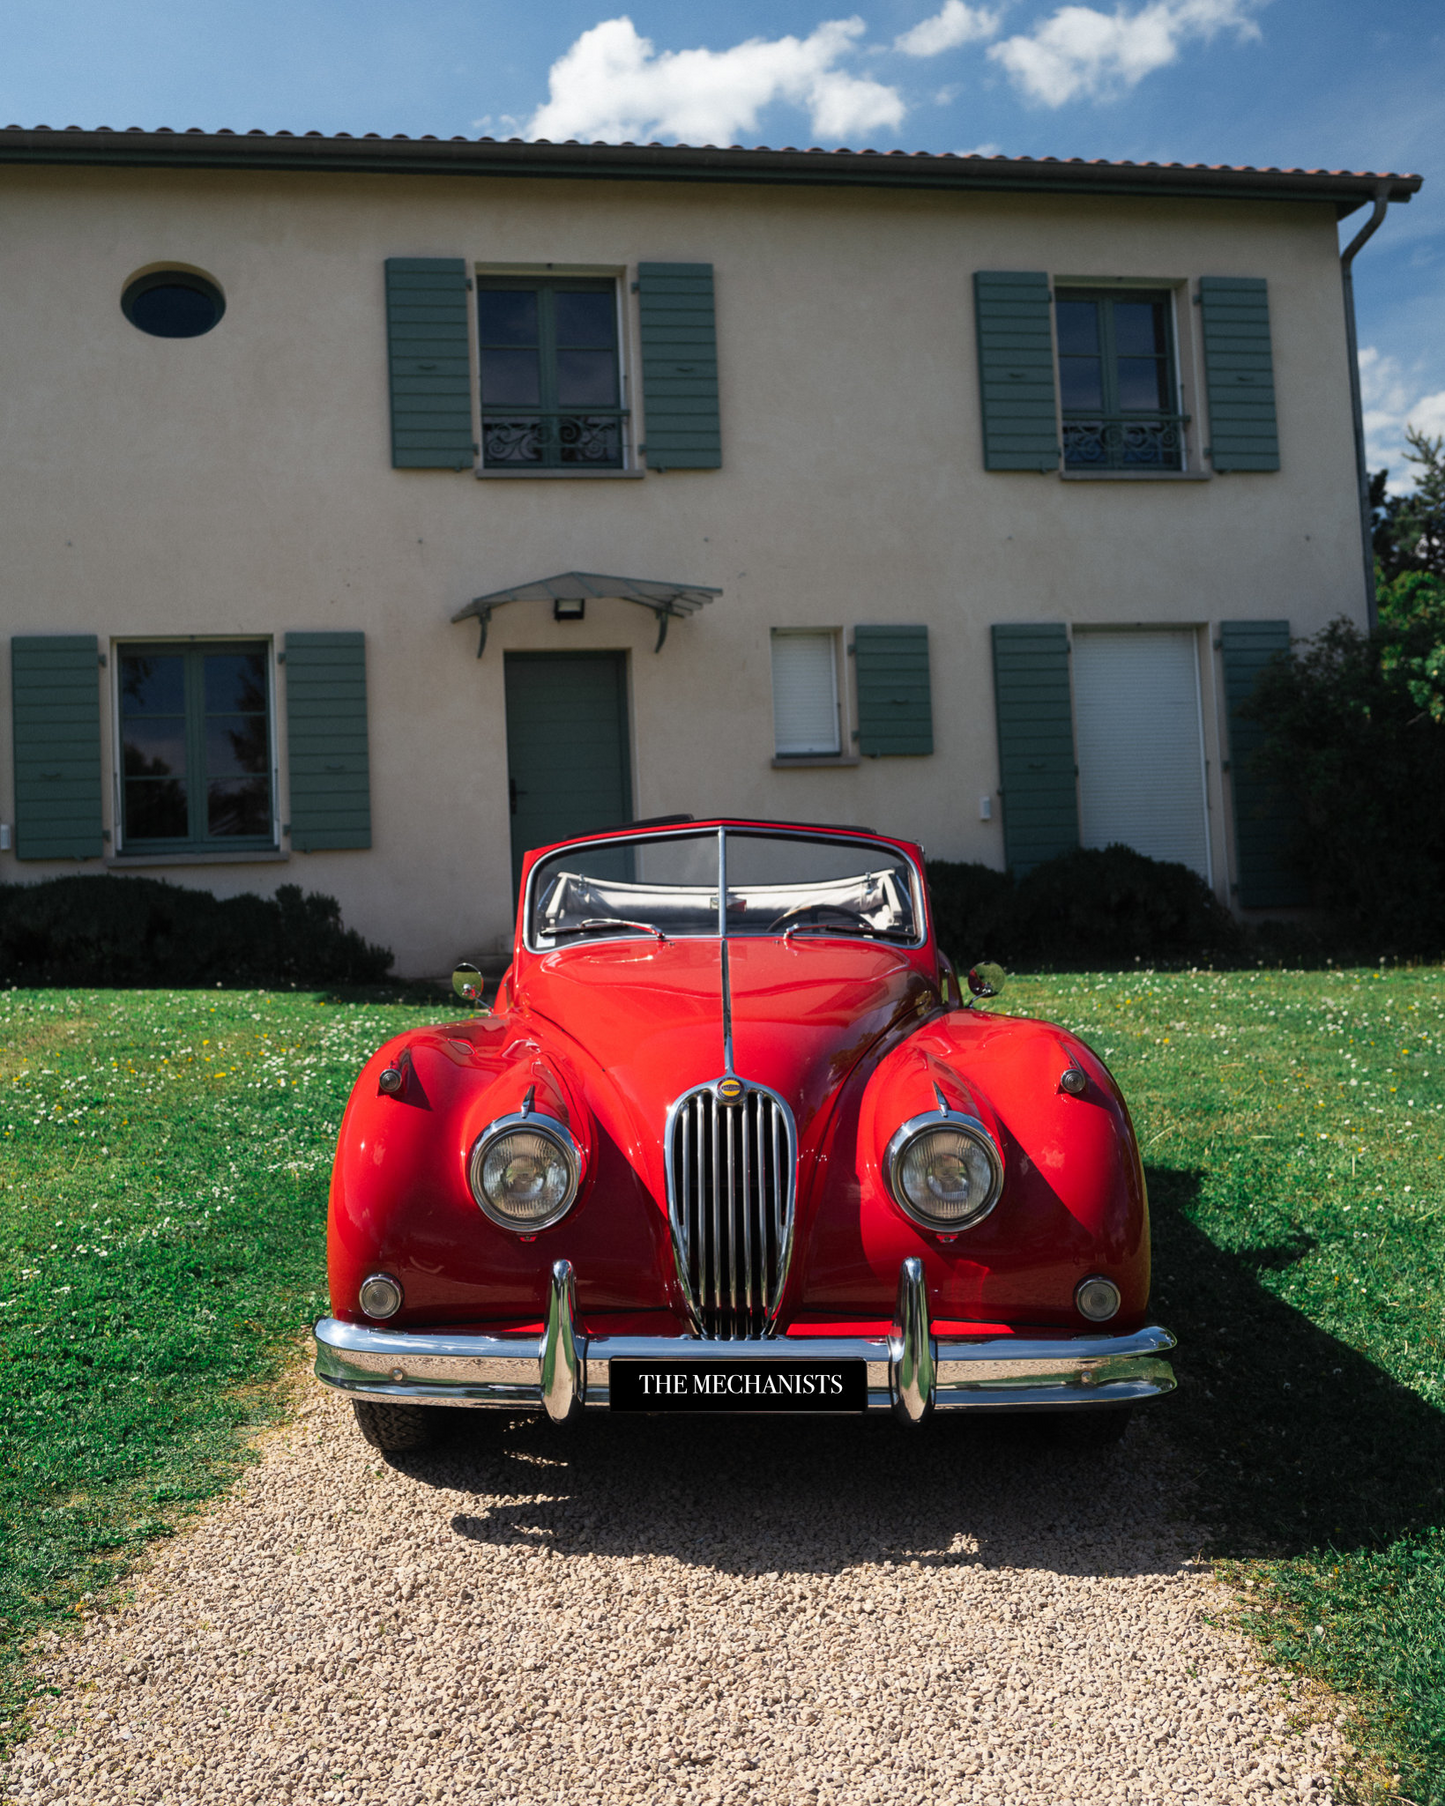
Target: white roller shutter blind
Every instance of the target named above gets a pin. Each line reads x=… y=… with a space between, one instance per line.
x=805 y=694
x=1139 y=739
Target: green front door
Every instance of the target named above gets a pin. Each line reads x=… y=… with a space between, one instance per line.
x=568 y=769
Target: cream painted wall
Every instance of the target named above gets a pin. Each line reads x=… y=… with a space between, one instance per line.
x=240 y=483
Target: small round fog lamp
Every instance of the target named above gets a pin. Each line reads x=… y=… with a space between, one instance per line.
x=380 y=1295
x=1097 y=1298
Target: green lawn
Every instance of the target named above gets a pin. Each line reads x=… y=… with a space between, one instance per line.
x=162 y=1220
x=163 y=1191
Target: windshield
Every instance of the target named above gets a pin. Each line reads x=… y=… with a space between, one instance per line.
x=777 y=884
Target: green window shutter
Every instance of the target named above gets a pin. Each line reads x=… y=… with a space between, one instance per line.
x=1016 y=369
x=428 y=336
x=1261 y=816
x=1035 y=743
x=55 y=692
x=895 y=708
x=326 y=738
x=1239 y=373
x=679 y=366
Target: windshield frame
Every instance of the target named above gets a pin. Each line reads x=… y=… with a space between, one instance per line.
x=761 y=830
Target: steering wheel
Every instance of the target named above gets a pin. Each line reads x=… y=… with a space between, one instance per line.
x=815 y=912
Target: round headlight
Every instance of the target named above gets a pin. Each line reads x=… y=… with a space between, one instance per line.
x=1097 y=1298
x=379 y=1295
x=525 y=1175
x=945 y=1174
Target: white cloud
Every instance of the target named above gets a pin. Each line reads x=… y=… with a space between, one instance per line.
x=1080 y=52
x=956 y=24
x=1391 y=403
x=613 y=84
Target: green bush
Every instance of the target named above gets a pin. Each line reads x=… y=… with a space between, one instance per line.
x=970 y=910
x=1093 y=906
x=1111 y=905
x=141 y=931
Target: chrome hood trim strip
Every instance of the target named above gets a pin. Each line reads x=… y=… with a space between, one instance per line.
x=727 y=1010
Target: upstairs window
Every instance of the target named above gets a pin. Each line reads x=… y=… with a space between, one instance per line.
x=551 y=385
x=1116 y=380
x=195 y=734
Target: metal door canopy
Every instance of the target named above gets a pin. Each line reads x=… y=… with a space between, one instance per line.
x=667 y=601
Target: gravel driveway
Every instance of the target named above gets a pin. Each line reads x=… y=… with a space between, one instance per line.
x=674 y=1611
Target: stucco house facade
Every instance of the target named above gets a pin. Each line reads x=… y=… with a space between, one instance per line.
x=956 y=496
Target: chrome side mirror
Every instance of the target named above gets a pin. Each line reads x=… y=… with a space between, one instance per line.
x=467 y=982
x=986 y=979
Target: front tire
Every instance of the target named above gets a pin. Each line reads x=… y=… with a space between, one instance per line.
x=395 y=1429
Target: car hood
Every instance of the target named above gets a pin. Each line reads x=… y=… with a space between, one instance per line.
x=651 y=1017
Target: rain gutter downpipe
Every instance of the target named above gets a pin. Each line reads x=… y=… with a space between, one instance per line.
x=1357 y=406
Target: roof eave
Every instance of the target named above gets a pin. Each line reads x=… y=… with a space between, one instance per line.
x=1345 y=190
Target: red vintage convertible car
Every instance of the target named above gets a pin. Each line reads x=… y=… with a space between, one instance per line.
x=731 y=1139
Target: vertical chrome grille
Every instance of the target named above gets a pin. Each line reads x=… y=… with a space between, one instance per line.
x=731 y=1169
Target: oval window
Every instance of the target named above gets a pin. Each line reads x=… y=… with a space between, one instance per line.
x=173 y=304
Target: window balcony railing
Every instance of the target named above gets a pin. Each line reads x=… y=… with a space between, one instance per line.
x=1124 y=441
x=554 y=439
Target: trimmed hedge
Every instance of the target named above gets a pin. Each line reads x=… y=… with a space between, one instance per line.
x=142 y=931
x=1091 y=907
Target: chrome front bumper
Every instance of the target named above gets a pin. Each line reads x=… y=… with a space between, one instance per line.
x=910 y=1371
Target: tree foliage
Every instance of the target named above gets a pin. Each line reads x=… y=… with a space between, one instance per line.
x=1355 y=735
x=1409 y=530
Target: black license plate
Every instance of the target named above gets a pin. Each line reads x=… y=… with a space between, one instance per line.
x=738 y=1385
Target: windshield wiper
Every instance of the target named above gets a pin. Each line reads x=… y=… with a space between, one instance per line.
x=593 y=923
x=848 y=930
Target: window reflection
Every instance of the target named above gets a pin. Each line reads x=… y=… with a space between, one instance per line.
x=195 y=746
x=551 y=389
x=1116 y=380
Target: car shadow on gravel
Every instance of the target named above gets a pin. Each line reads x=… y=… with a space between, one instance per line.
x=808 y=1496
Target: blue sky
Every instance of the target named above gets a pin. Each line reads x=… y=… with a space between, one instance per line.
x=1332 y=83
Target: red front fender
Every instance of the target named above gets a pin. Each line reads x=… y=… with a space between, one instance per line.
x=1073 y=1200
x=401 y=1203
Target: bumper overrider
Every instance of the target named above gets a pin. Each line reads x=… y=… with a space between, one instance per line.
x=910 y=1371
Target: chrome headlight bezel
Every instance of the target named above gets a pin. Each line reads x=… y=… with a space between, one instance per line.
x=904 y=1138
x=535 y=1122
